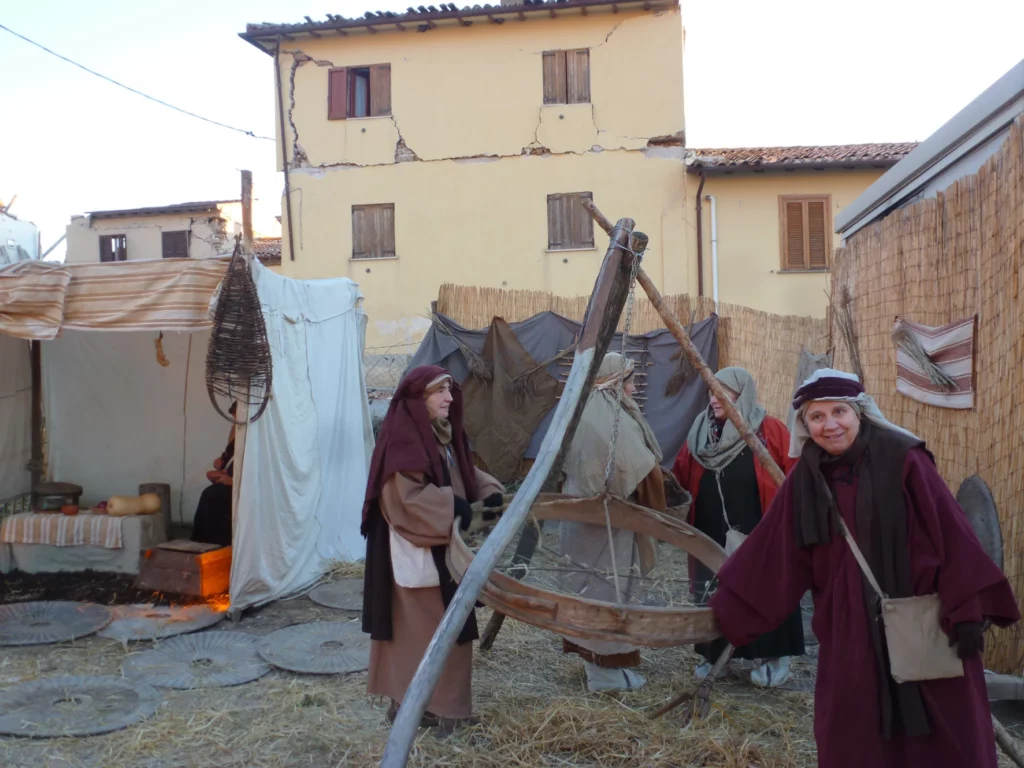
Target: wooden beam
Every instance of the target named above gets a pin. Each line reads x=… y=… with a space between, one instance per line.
x=599 y=323
x=35 y=465
x=247 y=215
x=693 y=354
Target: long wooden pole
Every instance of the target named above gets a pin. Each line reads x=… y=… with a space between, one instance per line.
x=35 y=465
x=693 y=354
x=606 y=303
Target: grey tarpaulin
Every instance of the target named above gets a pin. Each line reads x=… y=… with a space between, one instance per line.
x=546 y=334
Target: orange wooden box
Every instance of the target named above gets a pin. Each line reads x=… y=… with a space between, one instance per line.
x=186 y=568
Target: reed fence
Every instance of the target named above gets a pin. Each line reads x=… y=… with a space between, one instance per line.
x=940 y=260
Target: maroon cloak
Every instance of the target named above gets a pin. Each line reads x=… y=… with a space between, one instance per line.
x=945 y=557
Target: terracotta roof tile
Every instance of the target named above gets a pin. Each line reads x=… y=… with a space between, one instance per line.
x=884 y=155
x=267 y=249
x=422 y=17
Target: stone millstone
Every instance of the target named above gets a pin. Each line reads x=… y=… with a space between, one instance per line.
x=202 y=660
x=976 y=499
x=50 y=622
x=343 y=594
x=148 y=622
x=319 y=648
x=74 y=706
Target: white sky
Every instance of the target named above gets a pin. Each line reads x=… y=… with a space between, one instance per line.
x=757 y=73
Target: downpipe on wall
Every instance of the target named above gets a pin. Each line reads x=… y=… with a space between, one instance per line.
x=714 y=248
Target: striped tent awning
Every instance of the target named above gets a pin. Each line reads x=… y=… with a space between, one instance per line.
x=38 y=300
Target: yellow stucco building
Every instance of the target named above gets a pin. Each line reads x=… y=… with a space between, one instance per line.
x=451 y=145
x=766 y=219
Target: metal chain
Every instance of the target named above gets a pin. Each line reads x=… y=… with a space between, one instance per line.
x=618 y=412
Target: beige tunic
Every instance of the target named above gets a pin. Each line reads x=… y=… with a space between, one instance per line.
x=423 y=513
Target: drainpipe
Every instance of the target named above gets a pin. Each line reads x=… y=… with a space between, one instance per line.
x=284 y=154
x=700 y=236
x=714 y=248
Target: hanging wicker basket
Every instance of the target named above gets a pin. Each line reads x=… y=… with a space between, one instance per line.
x=238 y=361
x=573 y=616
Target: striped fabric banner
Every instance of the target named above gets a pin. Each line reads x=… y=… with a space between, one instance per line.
x=951 y=348
x=62 y=530
x=38 y=299
x=164 y=295
x=32 y=299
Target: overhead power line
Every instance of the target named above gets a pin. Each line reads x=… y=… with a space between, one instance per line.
x=133 y=90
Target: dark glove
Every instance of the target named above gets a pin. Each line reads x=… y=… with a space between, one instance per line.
x=969 y=638
x=494 y=500
x=463 y=512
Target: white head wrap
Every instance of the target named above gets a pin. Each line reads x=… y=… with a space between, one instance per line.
x=864 y=402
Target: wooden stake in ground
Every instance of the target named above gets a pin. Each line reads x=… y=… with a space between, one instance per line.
x=603 y=310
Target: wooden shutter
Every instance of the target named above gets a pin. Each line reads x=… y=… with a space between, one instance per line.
x=817 y=235
x=581 y=223
x=113 y=248
x=578 y=76
x=557 y=237
x=554 y=77
x=380 y=90
x=174 y=244
x=385 y=231
x=794 y=236
x=337 y=94
x=364 y=228
x=805 y=236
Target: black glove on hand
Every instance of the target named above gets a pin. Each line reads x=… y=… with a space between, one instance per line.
x=494 y=500
x=969 y=638
x=463 y=512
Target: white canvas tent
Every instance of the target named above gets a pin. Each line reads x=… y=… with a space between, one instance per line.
x=116 y=417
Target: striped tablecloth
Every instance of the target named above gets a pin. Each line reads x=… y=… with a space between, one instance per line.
x=62 y=530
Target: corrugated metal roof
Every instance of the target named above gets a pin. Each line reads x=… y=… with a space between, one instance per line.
x=423 y=18
x=209 y=206
x=841 y=155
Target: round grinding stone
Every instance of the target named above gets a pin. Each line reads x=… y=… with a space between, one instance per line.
x=343 y=594
x=320 y=648
x=74 y=706
x=148 y=622
x=200 y=660
x=49 y=622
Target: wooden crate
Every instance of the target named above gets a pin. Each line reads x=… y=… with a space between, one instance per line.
x=186 y=568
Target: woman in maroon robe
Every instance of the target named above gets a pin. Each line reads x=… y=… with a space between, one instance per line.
x=917 y=541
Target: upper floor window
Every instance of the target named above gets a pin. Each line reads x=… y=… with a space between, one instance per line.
x=174 y=244
x=113 y=248
x=567 y=77
x=359 y=92
x=373 y=231
x=805 y=231
x=570 y=227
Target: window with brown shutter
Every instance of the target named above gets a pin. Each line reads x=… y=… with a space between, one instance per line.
x=175 y=244
x=566 y=76
x=805 y=232
x=113 y=248
x=570 y=227
x=359 y=92
x=373 y=231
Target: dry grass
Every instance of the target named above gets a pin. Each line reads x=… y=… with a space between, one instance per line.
x=532 y=700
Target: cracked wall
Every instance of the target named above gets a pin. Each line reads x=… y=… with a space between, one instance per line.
x=483 y=221
x=478 y=91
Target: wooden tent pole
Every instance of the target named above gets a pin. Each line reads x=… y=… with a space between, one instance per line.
x=693 y=354
x=603 y=311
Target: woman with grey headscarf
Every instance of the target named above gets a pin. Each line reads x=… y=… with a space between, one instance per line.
x=731 y=490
